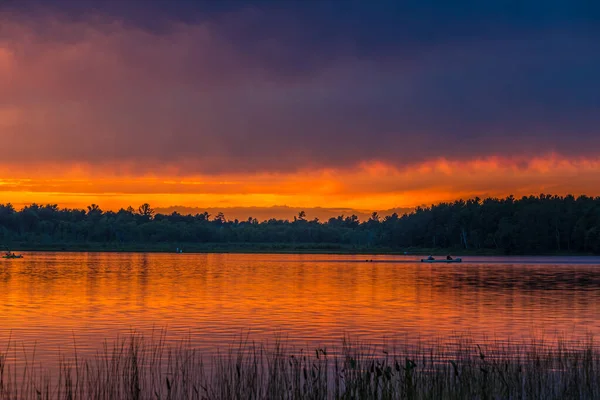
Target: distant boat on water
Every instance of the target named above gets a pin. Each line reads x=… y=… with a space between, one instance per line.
x=12 y=255
x=442 y=260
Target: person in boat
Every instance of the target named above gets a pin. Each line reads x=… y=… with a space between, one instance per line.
x=430 y=258
x=448 y=257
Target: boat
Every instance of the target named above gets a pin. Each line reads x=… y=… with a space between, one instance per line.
x=441 y=260
x=10 y=256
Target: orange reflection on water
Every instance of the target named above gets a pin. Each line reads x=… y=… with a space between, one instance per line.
x=53 y=299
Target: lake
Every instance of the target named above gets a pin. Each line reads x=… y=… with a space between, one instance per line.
x=53 y=300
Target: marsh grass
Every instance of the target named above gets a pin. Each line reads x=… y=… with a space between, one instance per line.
x=135 y=367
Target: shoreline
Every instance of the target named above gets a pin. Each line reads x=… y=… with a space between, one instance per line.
x=263 y=248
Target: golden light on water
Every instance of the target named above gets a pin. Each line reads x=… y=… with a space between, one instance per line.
x=311 y=298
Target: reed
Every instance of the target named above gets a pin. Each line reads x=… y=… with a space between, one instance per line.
x=135 y=367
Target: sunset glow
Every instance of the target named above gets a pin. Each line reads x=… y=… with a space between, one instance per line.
x=101 y=109
x=305 y=199
x=368 y=187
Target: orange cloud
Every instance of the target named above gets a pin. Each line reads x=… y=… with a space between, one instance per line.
x=368 y=187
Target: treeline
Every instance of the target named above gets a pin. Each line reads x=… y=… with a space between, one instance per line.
x=534 y=224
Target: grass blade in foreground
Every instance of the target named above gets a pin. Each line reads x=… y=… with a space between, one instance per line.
x=138 y=368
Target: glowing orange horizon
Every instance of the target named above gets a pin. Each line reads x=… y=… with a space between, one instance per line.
x=369 y=186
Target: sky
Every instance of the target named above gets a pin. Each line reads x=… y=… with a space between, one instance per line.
x=275 y=106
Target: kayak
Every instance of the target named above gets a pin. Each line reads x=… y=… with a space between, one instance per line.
x=454 y=260
x=13 y=256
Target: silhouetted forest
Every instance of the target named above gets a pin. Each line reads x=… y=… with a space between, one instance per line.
x=530 y=225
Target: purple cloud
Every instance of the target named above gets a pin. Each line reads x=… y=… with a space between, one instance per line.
x=196 y=96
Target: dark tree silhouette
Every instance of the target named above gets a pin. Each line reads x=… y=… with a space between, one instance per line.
x=529 y=225
x=146 y=211
x=92 y=209
x=220 y=218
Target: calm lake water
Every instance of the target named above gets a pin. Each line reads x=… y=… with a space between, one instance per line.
x=52 y=300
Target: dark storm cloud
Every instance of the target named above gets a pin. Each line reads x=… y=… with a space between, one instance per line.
x=234 y=86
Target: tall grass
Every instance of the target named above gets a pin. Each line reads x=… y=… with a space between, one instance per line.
x=137 y=368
